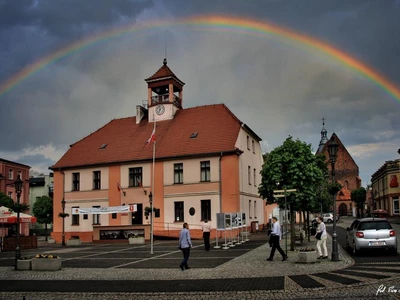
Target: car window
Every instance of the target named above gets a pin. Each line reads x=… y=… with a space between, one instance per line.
x=354 y=225
x=374 y=225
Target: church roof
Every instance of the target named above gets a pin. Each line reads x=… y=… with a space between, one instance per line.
x=122 y=140
x=163 y=73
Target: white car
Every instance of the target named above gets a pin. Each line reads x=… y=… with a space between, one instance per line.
x=371 y=233
x=328 y=218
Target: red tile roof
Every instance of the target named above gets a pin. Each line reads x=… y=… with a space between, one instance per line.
x=216 y=125
x=163 y=72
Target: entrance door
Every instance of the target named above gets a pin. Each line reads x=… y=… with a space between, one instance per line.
x=342 y=210
x=137 y=216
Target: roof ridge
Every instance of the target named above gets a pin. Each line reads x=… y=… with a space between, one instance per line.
x=90 y=134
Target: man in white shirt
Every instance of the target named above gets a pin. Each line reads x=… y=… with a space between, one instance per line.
x=206 y=234
x=275 y=239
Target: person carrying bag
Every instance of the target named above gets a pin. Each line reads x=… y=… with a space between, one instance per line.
x=321 y=236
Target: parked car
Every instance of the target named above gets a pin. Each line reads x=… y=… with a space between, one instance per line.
x=328 y=217
x=371 y=233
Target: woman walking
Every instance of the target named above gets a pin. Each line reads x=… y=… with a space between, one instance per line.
x=321 y=231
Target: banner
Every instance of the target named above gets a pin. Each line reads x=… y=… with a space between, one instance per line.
x=104 y=210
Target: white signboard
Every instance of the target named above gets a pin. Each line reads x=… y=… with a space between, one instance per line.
x=220 y=221
x=234 y=220
x=228 y=221
x=104 y=210
x=244 y=219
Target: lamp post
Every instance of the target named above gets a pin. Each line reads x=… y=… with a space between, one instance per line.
x=63 y=223
x=151 y=221
x=333 y=149
x=18 y=189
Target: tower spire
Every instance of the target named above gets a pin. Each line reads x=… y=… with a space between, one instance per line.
x=324 y=137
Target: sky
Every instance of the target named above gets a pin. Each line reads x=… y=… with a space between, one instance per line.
x=278 y=86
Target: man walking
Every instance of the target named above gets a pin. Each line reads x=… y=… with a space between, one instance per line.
x=206 y=234
x=185 y=243
x=275 y=239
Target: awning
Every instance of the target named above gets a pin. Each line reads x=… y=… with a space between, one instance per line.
x=7 y=217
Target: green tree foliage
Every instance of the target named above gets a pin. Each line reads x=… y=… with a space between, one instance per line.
x=5 y=200
x=43 y=211
x=14 y=206
x=294 y=166
x=359 y=196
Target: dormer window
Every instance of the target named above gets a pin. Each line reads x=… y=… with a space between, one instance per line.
x=194 y=135
x=103 y=146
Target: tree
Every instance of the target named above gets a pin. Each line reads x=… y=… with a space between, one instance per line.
x=359 y=196
x=5 y=200
x=294 y=166
x=43 y=211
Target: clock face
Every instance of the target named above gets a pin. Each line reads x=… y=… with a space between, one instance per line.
x=160 y=109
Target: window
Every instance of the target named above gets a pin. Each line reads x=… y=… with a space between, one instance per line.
x=135 y=176
x=249 y=174
x=96 y=217
x=96 y=180
x=113 y=215
x=85 y=216
x=248 y=143
x=205 y=210
x=396 y=209
x=254 y=177
x=75 y=181
x=255 y=209
x=253 y=146
x=10 y=195
x=178 y=173
x=103 y=146
x=205 y=170
x=250 y=209
x=75 y=217
x=20 y=175
x=11 y=174
x=179 y=211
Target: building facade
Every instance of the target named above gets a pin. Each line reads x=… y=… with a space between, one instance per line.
x=195 y=162
x=385 y=187
x=9 y=171
x=346 y=173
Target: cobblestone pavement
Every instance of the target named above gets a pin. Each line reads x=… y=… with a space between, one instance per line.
x=248 y=276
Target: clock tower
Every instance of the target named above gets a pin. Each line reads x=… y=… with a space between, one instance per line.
x=164 y=94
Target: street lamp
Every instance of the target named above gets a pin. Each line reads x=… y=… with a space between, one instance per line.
x=333 y=149
x=63 y=224
x=151 y=221
x=18 y=189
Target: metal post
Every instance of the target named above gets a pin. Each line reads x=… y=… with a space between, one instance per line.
x=286 y=221
x=151 y=221
x=17 y=248
x=63 y=223
x=18 y=189
x=335 y=254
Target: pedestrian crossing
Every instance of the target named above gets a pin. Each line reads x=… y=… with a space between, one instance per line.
x=353 y=275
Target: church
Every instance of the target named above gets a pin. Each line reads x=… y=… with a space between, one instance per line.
x=346 y=173
x=188 y=163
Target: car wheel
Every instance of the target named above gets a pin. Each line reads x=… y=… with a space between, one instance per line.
x=329 y=221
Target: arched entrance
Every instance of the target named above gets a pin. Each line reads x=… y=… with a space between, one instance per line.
x=342 y=209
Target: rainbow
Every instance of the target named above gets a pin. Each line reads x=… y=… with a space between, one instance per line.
x=212 y=22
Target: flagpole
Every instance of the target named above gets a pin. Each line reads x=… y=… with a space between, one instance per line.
x=152 y=187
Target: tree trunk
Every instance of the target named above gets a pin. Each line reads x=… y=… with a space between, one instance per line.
x=292 y=229
x=45 y=230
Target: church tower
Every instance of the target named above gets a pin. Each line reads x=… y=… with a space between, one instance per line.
x=324 y=138
x=164 y=94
